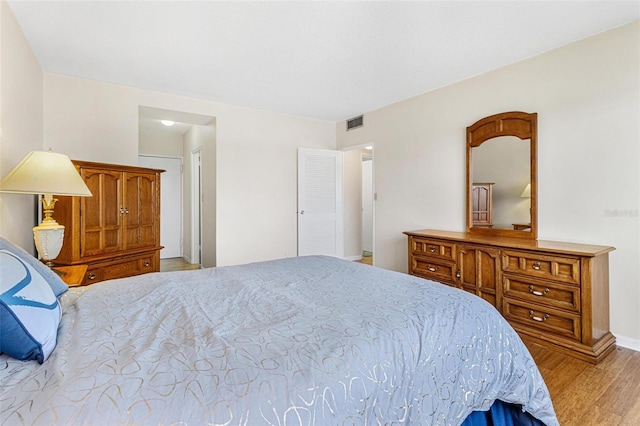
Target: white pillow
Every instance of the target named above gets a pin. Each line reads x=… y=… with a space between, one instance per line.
x=57 y=285
x=29 y=311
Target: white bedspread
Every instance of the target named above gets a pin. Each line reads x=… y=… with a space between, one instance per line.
x=298 y=341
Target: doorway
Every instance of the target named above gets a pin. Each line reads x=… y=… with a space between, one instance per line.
x=196 y=206
x=170 y=202
x=359 y=204
x=336 y=203
x=170 y=133
x=367 y=208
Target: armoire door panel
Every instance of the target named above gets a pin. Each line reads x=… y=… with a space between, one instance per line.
x=140 y=191
x=481 y=208
x=91 y=205
x=101 y=221
x=112 y=239
x=111 y=199
x=91 y=242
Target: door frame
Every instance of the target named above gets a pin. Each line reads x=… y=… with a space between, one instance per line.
x=196 y=206
x=373 y=191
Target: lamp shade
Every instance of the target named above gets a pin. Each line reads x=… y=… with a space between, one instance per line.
x=42 y=172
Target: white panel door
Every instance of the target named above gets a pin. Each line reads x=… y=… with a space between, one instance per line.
x=320 y=203
x=170 y=203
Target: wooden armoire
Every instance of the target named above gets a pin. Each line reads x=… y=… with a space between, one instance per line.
x=116 y=232
x=482 y=204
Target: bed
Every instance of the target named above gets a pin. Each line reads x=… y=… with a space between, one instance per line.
x=299 y=341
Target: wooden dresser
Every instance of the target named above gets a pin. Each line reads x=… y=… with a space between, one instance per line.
x=116 y=233
x=552 y=293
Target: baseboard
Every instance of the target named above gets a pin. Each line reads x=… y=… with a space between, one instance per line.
x=187 y=259
x=629 y=343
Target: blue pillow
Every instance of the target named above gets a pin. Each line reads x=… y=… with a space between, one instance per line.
x=57 y=285
x=29 y=311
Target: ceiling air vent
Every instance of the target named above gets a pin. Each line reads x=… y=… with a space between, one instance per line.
x=354 y=123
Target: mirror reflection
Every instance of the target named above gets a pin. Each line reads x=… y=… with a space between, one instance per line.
x=501 y=163
x=501 y=173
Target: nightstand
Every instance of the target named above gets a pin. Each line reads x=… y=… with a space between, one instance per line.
x=73 y=276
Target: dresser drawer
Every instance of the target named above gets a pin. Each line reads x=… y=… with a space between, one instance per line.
x=540 y=319
x=127 y=268
x=121 y=268
x=433 y=269
x=94 y=275
x=433 y=248
x=558 y=268
x=546 y=293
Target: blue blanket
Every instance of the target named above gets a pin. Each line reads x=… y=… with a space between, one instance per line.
x=299 y=341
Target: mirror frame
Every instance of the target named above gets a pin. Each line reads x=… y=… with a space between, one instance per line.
x=522 y=125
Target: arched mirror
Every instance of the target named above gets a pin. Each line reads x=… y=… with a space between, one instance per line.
x=501 y=175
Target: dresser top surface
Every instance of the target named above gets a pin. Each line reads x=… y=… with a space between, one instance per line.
x=517 y=243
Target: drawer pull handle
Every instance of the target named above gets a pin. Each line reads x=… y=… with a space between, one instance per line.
x=538 y=293
x=147 y=263
x=536 y=266
x=458 y=274
x=432 y=249
x=539 y=319
x=432 y=268
x=91 y=276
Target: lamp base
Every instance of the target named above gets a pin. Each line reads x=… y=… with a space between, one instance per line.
x=48 y=237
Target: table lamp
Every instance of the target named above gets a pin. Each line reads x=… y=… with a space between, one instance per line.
x=46 y=173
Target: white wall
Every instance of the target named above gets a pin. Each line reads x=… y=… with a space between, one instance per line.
x=587 y=96
x=255 y=156
x=165 y=144
x=257 y=181
x=90 y=120
x=20 y=124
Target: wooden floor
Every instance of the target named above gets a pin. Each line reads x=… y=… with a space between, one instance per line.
x=367 y=260
x=176 y=264
x=583 y=394
x=179 y=264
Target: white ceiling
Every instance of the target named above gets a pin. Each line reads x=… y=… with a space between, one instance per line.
x=325 y=60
